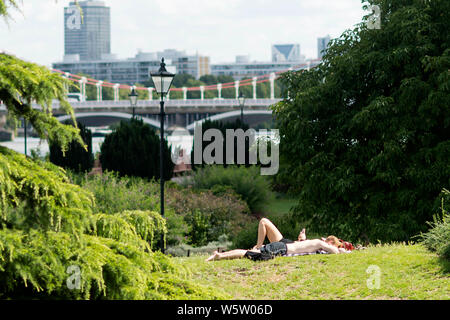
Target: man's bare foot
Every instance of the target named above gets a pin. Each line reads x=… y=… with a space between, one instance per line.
x=302 y=235
x=213 y=256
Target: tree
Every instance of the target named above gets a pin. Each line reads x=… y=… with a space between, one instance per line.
x=223 y=126
x=53 y=243
x=365 y=135
x=76 y=157
x=132 y=149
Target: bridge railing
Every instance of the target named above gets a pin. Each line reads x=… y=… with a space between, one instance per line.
x=197 y=103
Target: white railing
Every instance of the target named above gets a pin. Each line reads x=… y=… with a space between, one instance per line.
x=199 y=103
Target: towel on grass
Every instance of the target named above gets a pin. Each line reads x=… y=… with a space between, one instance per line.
x=308 y=253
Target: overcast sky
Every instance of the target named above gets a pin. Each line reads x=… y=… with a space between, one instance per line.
x=220 y=29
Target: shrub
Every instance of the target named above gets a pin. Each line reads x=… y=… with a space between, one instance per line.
x=437 y=239
x=132 y=149
x=207 y=215
x=196 y=217
x=253 y=188
x=76 y=157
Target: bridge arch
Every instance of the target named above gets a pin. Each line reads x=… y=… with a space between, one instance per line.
x=112 y=115
x=230 y=114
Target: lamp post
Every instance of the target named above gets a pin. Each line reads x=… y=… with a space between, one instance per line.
x=133 y=99
x=162 y=81
x=241 y=104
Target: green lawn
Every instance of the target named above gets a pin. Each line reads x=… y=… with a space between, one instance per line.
x=406 y=272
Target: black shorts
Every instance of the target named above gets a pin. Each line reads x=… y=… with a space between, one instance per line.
x=267 y=252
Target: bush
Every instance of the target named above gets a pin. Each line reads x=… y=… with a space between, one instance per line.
x=76 y=157
x=437 y=239
x=132 y=149
x=195 y=217
x=253 y=188
x=207 y=215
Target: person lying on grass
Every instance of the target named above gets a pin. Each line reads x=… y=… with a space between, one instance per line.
x=279 y=245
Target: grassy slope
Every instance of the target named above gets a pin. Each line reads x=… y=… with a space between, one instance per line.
x=407 y=272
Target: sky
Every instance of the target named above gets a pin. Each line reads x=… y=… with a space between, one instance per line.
x=220 y=29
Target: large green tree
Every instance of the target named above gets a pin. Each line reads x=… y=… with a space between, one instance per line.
x=365 y=135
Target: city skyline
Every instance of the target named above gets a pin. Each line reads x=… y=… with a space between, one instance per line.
x=216 y=27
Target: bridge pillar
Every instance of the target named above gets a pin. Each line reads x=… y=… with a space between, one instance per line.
x=99 y=90
x=184 y=93
x=202 y=92
x=150 y=93
x=236 y=87
x=82 y=83
x=219 y=90
x=66 y=76
x=272 y=85
x=116 y=91
x=254 y=87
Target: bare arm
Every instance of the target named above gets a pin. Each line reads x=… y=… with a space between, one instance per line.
x=329 y=248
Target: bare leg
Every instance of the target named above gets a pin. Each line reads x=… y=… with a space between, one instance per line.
x=233 y=254
x=267 y=228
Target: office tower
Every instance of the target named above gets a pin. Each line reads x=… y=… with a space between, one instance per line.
x=286 y=53
x=322 y=44
x=87 y=34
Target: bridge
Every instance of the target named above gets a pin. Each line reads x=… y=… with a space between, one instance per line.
x=180 y=112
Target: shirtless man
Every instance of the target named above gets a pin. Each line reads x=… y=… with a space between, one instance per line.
x=276 y=248
x=278 y=245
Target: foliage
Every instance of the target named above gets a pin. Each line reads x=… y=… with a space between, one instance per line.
x=437 y=239
x=191 y=216
x=222 y=127
x=22 y=83
x=76 y=157
x=133 y=149
x=209 y=215
x=365 y=135
x=252 y=187
x=48 y=226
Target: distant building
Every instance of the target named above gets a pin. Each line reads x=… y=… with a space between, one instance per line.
x=111 y=69
x=195 y=65
x=286 y=53
x=322 y=44
x=243 y=68
x=87 y=37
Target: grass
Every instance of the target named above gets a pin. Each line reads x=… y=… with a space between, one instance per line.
x=406 y=272
x=280 y=205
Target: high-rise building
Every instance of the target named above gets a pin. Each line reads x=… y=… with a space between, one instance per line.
x=286 y=53
x=87 y=34
x=322 y=44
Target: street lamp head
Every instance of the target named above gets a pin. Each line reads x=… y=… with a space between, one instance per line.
x=241 y=99
x=133 y=97
x=162 y=79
